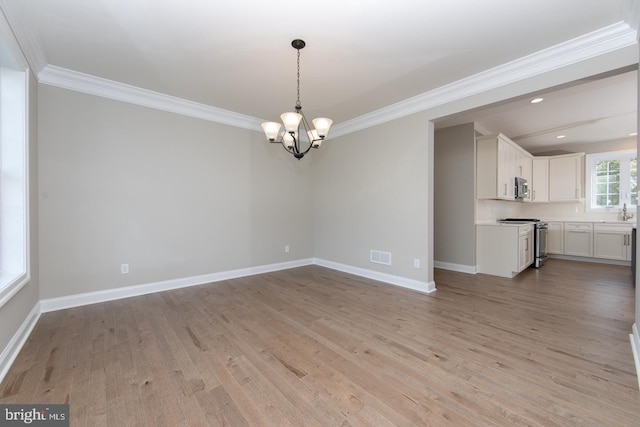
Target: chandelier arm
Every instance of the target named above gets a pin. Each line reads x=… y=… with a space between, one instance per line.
x=305 y=123
x=306 y=127
x=296 y=143
x=284 y=147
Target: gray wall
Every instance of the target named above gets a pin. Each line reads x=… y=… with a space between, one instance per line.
x=454 y=198
x=172 y=196
x=14 y=312
x=371 y=192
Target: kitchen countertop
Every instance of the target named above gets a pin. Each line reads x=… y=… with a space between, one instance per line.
x=594 y=221
x=504 y=224
x=495 y=222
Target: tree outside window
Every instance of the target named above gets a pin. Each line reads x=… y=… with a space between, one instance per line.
x=613 y=180
x=607 y=183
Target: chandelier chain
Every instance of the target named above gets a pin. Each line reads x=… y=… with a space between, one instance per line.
x=298 y=100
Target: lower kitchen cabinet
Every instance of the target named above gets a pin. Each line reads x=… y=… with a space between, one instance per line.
x=525 y=247
x=504 y=250
x=578 y=239
x=603 y=240
x=555 y=238
x=612 y=241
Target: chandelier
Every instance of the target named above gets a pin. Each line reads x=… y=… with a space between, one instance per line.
x=290 y=137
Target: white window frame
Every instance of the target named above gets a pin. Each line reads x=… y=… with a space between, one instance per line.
x=15 y=263
x=590 y=177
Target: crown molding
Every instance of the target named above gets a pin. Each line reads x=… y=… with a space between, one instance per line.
x=25 y=33
x=605 y=40
x=86 y=83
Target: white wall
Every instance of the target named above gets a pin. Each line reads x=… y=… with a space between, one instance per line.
x=454 y=197
x=172 y=196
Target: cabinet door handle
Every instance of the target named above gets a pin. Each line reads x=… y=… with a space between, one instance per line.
x=505 y=189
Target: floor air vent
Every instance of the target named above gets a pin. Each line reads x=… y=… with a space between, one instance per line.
x=380 y=257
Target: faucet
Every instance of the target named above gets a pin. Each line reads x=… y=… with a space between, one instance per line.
x=625 y=215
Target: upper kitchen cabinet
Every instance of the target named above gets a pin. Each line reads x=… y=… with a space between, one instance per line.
x=539 y=184
x=565 y=177
x=499 y=161
x=524 y=167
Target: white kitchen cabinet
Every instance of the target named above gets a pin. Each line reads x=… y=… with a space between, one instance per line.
x=525 y=248
x=565 y=177
x=578 y=239
x=612 y=241
x=555 y=238
x=504 y=249
x=495 y=167
x=522 y=163
x=524 y=168
x=539 y=184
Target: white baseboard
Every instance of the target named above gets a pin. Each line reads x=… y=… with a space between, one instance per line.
x=16 y=343
x=590 y=259
x=70 y=301
x=417 y=285
x=460 y=268
x=635 y=346
x=61 y=303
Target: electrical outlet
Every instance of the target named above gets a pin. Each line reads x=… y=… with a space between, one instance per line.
x=124 y=268
x=286 y=249
x=416 y=263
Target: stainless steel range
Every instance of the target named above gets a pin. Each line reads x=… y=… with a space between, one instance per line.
x=540 y=237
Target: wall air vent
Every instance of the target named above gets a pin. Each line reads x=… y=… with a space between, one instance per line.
x=380 y=257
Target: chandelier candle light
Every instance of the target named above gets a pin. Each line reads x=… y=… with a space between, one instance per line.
x=289 y=138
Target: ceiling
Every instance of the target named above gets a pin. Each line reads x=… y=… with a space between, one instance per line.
x=597 y=110
x=361 y=55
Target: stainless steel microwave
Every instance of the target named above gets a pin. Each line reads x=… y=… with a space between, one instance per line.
x=522 y=188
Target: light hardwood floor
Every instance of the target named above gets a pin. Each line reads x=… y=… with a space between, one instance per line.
x=312 y=346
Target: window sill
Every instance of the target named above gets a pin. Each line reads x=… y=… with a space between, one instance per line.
x=10 y=284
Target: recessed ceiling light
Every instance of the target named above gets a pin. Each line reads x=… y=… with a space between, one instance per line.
x=561 y=136
x=536 y=100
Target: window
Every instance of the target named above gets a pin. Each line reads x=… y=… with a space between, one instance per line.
x=612 y=180
x=14 y=208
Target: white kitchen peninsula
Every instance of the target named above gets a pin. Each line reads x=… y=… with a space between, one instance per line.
x=504 y=249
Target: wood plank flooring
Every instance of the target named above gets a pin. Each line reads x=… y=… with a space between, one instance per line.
x=315 y=347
